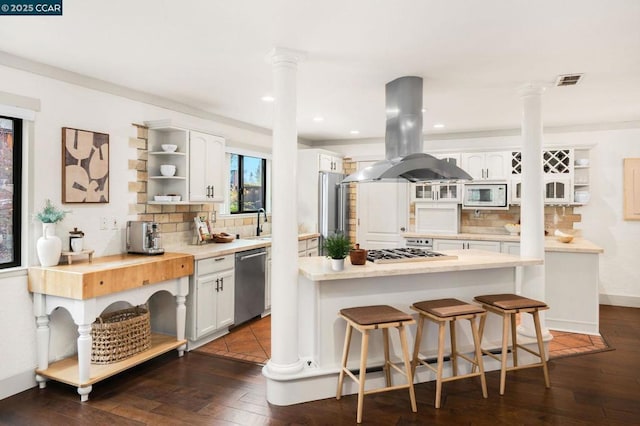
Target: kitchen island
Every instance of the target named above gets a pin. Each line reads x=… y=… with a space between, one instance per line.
x=322 y=292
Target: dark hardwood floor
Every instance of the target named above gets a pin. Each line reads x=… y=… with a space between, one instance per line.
x=594 y=389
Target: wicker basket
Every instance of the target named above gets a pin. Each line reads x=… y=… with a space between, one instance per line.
x=119 y=335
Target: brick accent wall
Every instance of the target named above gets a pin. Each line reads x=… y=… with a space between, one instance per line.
x=351 y=166
x=176 y=220
x=493 y=221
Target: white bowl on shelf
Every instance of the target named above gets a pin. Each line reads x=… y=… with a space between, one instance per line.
x=512 y=228
x=175 y=197
x=167 y=170
x=163 y=198
x=581 y=196
x=167 y=147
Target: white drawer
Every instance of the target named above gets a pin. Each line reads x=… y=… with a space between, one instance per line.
x=302 y=245
x=312 y=243
x=214 y=264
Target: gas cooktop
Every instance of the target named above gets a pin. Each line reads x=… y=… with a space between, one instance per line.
x=408 y=254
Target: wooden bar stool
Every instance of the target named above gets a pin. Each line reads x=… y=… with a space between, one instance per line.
x=367 y=318
x=507 y=306
x=443 y=311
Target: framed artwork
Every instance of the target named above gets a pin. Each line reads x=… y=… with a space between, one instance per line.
x=85 y=166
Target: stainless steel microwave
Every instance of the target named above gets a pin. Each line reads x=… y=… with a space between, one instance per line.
x=485 y=196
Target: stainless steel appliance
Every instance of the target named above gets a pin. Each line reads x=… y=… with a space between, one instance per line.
x=406 y=254
x=144 y=237
x=249 y=284
x=333 y=211
x=420 y=242
x=485 y=196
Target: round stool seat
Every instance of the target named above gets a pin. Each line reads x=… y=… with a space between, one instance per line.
x=377 y=314
x=447 y=307
x=510 y=301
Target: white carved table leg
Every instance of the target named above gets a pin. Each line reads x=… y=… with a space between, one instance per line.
x=42 y=336
x=181 y=320
x=84 y=359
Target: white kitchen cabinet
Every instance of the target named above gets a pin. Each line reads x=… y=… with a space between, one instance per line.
x=436 y=192
x=206 y=167
x=329 y=163
x=453 y=158
x=308 y=247
x=486 y=165
x=438 y=218
x=199 y=161
x=446 y=244
x=210 y=303
x=557 y=190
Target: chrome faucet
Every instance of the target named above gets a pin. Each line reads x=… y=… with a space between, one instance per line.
x=259 y=228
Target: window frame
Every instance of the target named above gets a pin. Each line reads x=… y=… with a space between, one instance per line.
x=265 y=182
x=17 y=154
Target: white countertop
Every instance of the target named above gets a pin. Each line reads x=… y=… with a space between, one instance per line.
x=203 y=251
x=551 y=244
x=319 y=268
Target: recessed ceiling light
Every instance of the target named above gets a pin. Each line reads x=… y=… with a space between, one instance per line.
x=355 y=132
x=268 y=98
x=318 y=119
x=438 y=126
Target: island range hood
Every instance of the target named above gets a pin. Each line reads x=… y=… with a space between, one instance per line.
x=404 y=159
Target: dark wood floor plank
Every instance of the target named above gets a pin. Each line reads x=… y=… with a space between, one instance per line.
x=594 y=389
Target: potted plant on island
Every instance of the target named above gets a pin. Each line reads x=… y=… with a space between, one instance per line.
x=337 y=248
x=49 y=245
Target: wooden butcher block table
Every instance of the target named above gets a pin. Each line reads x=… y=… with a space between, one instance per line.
x=85 y=289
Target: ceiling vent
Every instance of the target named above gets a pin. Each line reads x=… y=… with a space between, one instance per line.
x=568 y=80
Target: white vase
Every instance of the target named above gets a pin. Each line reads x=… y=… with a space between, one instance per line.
x=337 y=264
x=49 y=246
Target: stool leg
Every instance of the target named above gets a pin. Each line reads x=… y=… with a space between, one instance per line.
x=345 y=355
x=514 y=339
x=416 y=346
x=407 y=366
x=441 y=332
x=363 y=370
x=386 y=368
x=483 y=319
x=543 y=357
x=503 y=357
x=454 y=349
x=478 y=352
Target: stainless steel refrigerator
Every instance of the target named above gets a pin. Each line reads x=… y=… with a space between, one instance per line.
x=333 y=206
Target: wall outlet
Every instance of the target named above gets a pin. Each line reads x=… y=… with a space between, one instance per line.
x=114 y=223
x=104 y=223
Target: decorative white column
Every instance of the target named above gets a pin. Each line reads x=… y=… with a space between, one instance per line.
x=284 y=259
x=532 y=201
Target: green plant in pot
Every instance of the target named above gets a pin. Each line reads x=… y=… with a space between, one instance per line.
x=337 y=248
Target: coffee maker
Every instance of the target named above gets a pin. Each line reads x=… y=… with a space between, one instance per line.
x=144 y=237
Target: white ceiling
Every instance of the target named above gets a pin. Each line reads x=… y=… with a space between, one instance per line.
x=473 y=56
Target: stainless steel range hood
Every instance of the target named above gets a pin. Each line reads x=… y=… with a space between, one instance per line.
x=404 y=159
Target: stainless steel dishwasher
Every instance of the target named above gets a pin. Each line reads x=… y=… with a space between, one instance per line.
x=249 y=283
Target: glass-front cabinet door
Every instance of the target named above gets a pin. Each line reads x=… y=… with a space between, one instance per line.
x=557 y=191
x=436 y=192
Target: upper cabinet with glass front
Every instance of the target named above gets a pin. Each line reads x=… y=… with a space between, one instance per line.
x=436 y=192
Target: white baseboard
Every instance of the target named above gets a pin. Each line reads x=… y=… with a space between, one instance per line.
x=17 y=383
x=620 y=300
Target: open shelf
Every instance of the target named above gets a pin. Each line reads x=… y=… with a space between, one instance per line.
x=66 y=370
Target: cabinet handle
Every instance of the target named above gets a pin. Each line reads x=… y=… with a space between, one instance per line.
x=217 y=284
x=212 y=191
x=222 y=284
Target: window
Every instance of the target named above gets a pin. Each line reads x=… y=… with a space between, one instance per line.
x=247 y=183
x=10 y=191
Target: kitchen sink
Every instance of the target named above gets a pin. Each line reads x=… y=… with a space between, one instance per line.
x=262 y=238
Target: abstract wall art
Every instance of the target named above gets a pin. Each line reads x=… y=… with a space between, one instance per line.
x=85 y=166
